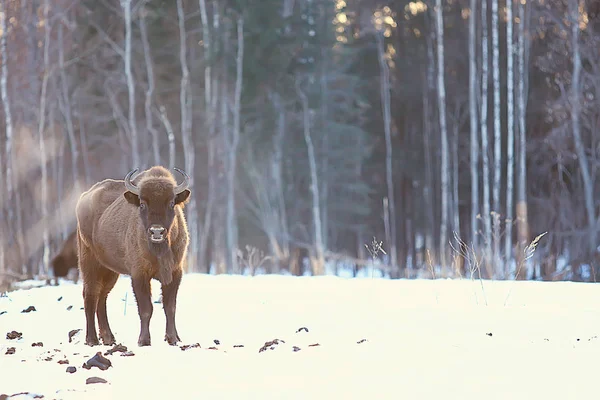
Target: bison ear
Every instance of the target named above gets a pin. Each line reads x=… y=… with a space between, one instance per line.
x=182 y=197
x=132 y=198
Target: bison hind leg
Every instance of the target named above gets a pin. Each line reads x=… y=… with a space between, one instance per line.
x=107 y=280
x=90 y=268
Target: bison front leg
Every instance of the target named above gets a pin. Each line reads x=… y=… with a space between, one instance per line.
x=169 y=294
x=143 y=297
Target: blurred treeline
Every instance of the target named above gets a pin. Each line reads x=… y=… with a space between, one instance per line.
x=450 y=132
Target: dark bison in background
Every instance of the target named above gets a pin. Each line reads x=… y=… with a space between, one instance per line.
x=66 y=258
x=134 y=227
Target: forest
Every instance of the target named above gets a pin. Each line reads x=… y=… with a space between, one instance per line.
x=430 y=138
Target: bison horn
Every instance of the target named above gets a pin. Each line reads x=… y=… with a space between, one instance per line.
x=183 y=185
x=129 y=185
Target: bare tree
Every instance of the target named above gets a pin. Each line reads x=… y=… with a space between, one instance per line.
x=487 y=239
x=233 y=149
x=444 y=166
x=150 y=90
x=185 y=99
x=387 y=121
x=497 y=134
x=8 y=123
x=473 y=125
x=510 y=129
x=170 y=135
x=64 y=101
x=126 y=5
x=43 y=154
x=318 y=263
x=522 y=213
x=588 y=183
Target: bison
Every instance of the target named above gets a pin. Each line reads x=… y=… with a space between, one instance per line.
x=134 y=227
x=66 y=258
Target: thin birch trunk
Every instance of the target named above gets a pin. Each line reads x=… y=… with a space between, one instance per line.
x=278 y=176
x=497 y=137
x=522 y=213
x=232 y=238
x=208 y=212
x=135 y=153
x=210 y=125
x=206 y=43
x=85 y=155
x=429 y=190
x=59 y=178
x=473 y=126
x=186 y=129
x=588 y=184
x=386 y=104
x=319 y=262
x=41 y=128
x=9 y=135
x=65 y=105
x=455 y=181
x=170 y=136
x=150 y=90
x=510 y=140
x=428 y=187
x=444 y=170
x=486 y=215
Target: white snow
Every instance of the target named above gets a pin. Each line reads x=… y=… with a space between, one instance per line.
x=424 y=340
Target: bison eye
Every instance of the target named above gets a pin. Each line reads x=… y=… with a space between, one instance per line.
x=172 y=204
x=142 y=206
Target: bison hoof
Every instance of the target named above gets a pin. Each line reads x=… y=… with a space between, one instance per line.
x=108 y=340
x=144 y=342
x=92 y=341
x=172 y=339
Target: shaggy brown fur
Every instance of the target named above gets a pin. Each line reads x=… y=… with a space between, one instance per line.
x=119 y=230
x=66 y=258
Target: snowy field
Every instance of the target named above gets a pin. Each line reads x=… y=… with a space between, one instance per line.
x=377 y=339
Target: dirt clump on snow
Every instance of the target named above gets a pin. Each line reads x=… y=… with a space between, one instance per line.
x=98 y=361
x=14 y=335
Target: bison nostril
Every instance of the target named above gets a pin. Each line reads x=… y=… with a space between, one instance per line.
x=156 y=230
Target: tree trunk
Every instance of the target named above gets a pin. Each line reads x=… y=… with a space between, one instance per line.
x=486 y=215
x=319 y=262
x=41 y=128
x=428 y=189
x=473 y=126
x=455 y=179
x=84 y=149
x=510 y=140
x=185 y=100
x=278 y=177
x=387 y=121
x=522 y=213
x=170 y=135
x=64 y=101
x=5 y=202
x=497 y=139
x=444 y=166
x=135 y=153
x=150 y=90
x=588 y=183
x=232 y=238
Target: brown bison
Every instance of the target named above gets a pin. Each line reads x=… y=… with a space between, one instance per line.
x=66 y=258
x=137 y=228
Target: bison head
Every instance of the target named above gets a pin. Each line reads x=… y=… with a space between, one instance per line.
x=156 y=197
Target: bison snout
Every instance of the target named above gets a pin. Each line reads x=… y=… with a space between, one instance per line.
x=157 y=233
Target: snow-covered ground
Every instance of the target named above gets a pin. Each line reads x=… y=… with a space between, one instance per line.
x=378 y=339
